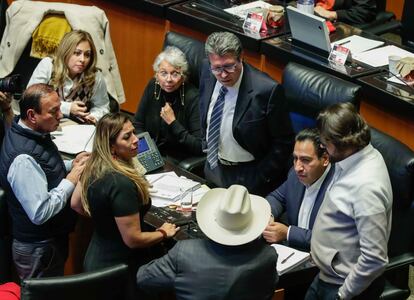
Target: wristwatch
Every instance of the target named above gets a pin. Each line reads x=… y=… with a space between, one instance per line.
x=339 y=296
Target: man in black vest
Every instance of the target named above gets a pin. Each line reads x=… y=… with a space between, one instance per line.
x=38 y=185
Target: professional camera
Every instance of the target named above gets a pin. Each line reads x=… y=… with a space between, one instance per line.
x=11 y=84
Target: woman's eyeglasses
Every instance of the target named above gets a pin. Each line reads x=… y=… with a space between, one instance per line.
x=174 y=75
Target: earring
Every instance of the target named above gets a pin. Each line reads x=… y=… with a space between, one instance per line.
x=182 y=94
x=157 y=97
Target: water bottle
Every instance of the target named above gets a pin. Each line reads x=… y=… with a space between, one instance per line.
x=306 y=6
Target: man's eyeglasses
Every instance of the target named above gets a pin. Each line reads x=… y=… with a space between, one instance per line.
x=174 y=75
x=225 y=68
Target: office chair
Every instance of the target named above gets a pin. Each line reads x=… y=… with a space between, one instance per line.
x=382 y=17
x=194 y=52
x=308 y=91
x=400 y=164
x=108 y=283
x=405 y=27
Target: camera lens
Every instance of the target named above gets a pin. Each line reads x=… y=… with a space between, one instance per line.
x=11 y=84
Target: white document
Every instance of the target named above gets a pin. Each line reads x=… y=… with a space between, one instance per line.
x=289 y=258
x=379 y=57
x=73 y=139
x=242 y=10
x=357 y=44
x=170 y=187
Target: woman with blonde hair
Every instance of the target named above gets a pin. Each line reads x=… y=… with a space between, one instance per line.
x=116 y=196
x=73 y=73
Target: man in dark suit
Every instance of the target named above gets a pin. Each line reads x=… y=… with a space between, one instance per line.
x=233 y=263
x=301 y=195
x=246 y=129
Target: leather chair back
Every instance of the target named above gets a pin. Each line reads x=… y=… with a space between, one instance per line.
x=400 y=163
x=101 y=284
x=308 y=91
x=193 y=50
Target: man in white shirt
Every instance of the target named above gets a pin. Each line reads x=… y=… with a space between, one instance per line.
x=38 y=184
x=301 y=195
x=351 y=231
x=246 y=129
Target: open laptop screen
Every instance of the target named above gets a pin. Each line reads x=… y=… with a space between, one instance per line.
x=309 y=29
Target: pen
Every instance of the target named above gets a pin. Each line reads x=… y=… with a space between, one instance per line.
x=289 y=256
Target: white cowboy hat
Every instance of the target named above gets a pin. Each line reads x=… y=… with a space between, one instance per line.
x=232 y=216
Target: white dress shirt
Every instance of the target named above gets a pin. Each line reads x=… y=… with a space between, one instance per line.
x=38 y=203
x=228 y=149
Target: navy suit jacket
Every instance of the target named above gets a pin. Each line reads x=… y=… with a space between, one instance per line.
x=288 y=198
x=261 y=123
x=202 y=269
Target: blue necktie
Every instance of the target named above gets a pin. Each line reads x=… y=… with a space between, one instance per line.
x=214 y=128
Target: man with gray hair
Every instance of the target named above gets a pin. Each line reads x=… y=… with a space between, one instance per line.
x=351 y=231
x=246 y=129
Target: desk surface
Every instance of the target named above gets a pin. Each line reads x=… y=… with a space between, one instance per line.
x=211 y=18
x=283 y=48
x=156 y=8
x=392 y=96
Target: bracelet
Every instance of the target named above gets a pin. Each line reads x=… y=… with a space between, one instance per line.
x=164 y=233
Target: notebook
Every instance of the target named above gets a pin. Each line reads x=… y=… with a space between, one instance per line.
x=289 y=258
x=309 y=29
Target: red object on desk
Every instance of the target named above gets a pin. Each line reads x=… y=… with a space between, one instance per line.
x=330 y=26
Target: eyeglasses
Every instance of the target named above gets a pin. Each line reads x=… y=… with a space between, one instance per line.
x=174 y=75
x=225 y=68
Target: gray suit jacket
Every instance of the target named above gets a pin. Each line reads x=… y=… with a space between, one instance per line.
x=202 y=269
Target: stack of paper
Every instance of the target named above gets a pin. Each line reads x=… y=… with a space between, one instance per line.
x=379 y=57
x=167 y=189
x=289 y=258
x=242 y=10
x=73 y=139
x=357 y=44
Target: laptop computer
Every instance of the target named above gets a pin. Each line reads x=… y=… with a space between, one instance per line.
x=309 y=31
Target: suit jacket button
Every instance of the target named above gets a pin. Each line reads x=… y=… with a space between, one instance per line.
x=8 y=44
x=101 y=51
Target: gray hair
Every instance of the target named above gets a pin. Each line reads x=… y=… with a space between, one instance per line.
x=174 y=57
x=222 y=43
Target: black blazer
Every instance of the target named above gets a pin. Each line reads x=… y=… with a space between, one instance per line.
x=288 y=198
x=261 y=124
x=180 y=139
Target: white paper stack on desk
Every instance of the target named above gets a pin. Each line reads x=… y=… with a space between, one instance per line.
x=289 y=258
x=168 y=187
x=357 y=44
x=73 y=139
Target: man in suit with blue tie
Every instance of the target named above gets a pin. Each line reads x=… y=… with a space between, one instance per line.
x=301 y=195
x=246 y=129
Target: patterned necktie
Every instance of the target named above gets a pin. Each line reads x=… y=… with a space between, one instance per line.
x=214 y=129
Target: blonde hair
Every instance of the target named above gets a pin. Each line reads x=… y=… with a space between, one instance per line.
x=101 y=161
x=63 y=52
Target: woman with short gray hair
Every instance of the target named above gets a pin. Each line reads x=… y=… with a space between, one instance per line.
x=169 y=107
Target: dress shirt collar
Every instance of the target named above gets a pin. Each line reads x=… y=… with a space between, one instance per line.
x=351 y=160
x=21 y=124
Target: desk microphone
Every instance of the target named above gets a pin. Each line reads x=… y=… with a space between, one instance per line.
x=399 y=78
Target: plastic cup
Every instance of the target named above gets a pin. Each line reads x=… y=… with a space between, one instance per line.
x=393 y=60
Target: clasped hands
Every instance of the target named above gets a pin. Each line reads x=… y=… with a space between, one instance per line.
x=79 y=110
x=167 y=113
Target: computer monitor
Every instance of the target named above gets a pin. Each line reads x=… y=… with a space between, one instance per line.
x=309 y=30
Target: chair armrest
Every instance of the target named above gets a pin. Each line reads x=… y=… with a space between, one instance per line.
x=192 y=163
x=400 y=261
x=391 y=26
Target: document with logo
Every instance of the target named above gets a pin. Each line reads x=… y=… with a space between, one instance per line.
x=289 y=258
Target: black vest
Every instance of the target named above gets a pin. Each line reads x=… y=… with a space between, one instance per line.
x=19 y=141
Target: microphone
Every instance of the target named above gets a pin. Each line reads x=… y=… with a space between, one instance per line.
x=399 y=78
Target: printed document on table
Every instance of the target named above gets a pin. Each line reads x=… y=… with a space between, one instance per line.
x=357 y=44
x=289 y=258
x=73 y=139
x=379 y=57
x=242 y=10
